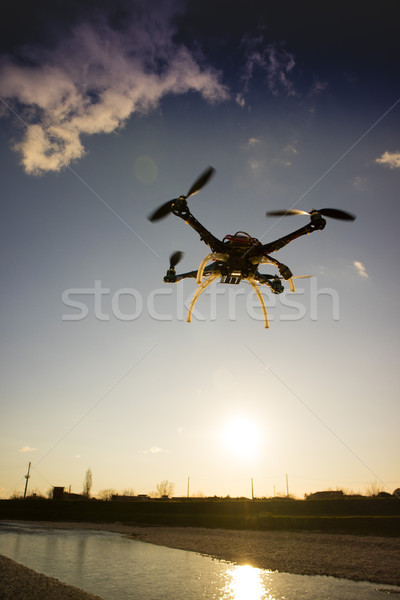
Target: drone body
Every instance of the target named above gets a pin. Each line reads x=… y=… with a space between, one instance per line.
x=237 y=257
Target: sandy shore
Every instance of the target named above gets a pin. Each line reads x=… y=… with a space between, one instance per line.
x=359 y=558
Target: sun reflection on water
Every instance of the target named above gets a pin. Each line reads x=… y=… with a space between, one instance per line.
x=245 y=583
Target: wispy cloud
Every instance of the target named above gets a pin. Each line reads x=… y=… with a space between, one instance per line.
x=153 y=450
x=291 y=148
x=94 y=81
x=252 y=143
x=359 y=183
x=360 y=268
x=273 y=60
x=280 y=64
x=239 y=98
x=318 y=87
x=287 y=154
x=390 y=159
x=255 y=164
x=262 y=153
x=27 y=449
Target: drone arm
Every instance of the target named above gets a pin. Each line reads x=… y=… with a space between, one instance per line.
x=173 y=278
x=181 y=210
x=206 y=236
x=190 y=274
x=316 y=223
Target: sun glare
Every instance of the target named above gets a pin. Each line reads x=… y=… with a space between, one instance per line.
x=241 y=437
x=245 y=584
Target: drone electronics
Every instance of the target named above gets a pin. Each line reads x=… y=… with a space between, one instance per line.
x=237 y=257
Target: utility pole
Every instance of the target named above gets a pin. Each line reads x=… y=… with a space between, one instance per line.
x=188 y=487
x=27 y=477
x=287 y=486
x=252 y=489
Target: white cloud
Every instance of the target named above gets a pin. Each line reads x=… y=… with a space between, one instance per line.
x=26 y=449
x=94 y=81
x=361 y=270
x=390 y=159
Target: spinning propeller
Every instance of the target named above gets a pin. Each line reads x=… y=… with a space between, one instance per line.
x=175 y=258
x=164 y=210
x=334 y=213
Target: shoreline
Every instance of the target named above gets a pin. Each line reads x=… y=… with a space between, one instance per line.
x=356 y=558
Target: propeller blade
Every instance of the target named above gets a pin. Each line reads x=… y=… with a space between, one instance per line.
x=286 y=213
x=175 y=258
x=201 y=181
x=164 y=210
x=334 y=213
x=161 y=212
x=295 y=277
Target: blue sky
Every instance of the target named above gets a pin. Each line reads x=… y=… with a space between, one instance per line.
x=108 y=113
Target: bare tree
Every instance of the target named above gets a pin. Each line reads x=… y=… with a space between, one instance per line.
x=129 y=492
x=87 y=483
x=373 y=489
x=165 y=488
x=106 y=494
x=199 y=494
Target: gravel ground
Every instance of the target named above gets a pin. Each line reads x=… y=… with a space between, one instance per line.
x=19 y=583
x=360 y=558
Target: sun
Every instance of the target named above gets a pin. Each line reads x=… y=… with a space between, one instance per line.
x=241 y=437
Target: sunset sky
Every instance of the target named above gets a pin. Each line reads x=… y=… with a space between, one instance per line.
x=111 y=109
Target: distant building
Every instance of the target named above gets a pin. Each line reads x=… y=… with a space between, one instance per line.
x=325 y=495
x=58 y=493
x=138 y=498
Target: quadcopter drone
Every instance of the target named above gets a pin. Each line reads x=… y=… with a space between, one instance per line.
x=238 y=256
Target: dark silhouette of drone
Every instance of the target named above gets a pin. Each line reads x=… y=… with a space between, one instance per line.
x=238 y=256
